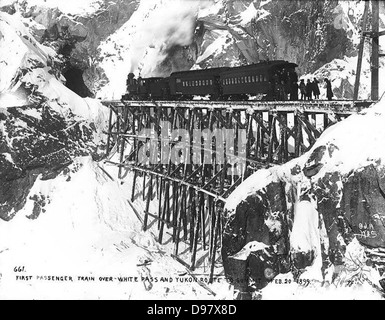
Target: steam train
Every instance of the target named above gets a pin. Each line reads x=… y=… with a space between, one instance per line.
x=268 y=80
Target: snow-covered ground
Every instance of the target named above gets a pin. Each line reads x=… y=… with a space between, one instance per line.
x=89 y=230
x=87 y=241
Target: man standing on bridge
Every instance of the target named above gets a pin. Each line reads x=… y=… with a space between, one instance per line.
x=309 y=90
x=329 y=91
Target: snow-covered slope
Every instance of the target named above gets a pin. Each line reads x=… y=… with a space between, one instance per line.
x=87 y=229
x=66 y=228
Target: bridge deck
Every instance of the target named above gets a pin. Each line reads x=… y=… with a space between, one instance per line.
x=316 y=106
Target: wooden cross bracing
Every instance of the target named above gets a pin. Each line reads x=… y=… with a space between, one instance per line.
x=190 y=195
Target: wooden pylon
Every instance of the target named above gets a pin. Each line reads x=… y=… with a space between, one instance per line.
x=361 y=51
x=374 y=34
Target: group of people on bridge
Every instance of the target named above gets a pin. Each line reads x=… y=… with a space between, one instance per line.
x=310 y=90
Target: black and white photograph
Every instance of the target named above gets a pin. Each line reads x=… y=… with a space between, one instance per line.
x=205 y=151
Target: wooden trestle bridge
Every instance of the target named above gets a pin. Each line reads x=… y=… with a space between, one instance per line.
x=186 y=157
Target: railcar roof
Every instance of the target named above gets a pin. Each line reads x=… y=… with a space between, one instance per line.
x=265 y=64
x=153 y=78
x=208 y=70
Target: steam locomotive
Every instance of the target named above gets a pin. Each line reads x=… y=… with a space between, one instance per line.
x=268 y=80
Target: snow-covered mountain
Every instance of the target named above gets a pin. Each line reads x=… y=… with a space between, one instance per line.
x=105 y=40
x=60 y=212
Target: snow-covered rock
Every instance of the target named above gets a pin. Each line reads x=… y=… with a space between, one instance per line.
x=321 y=202
x=44 y=125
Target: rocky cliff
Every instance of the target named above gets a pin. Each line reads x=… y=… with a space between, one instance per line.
x=105 y=40
x=44 y=125
x=310 y=210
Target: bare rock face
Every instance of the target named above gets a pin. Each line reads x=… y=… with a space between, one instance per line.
x=77 y=37
x=363 y=204
x=262 y=217
x=35 y=141
x=298 y=31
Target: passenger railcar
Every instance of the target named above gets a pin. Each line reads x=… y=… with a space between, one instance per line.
x=185 y=85
x=270 y=80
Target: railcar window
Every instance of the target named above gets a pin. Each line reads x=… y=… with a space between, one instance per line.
x=266 y=78
x=260 y=78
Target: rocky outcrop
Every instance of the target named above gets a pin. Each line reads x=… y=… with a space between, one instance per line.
x=301 y=32
x=308 y=217
x=77 y=36
x=43 y=125
x=36 y=142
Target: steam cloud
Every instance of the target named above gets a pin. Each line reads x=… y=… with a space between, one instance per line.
x=169 y=23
